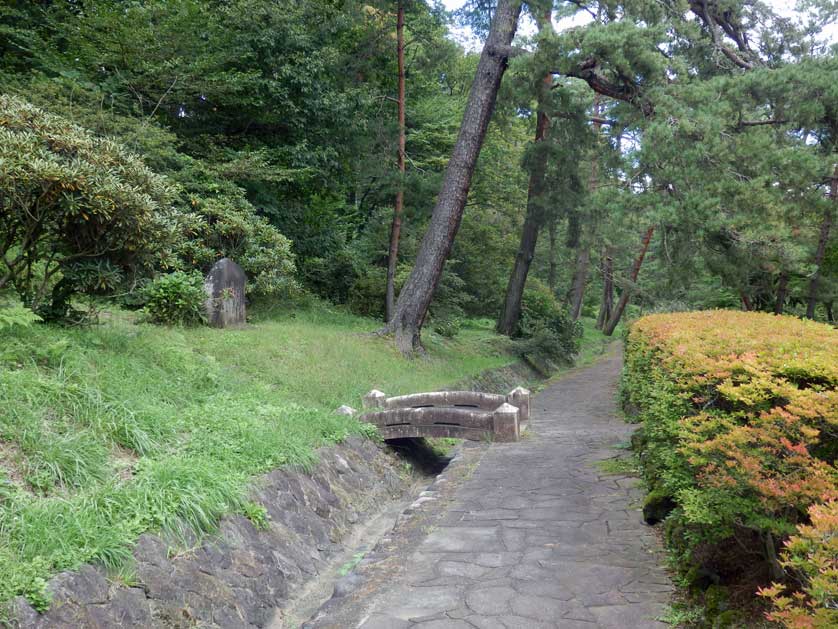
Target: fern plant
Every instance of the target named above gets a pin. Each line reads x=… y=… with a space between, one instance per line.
x=11 y=316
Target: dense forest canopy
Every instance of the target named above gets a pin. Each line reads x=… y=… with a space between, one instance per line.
x=653 y=155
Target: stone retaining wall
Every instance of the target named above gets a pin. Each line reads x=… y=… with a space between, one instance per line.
x=239 y=576
x=501 y=379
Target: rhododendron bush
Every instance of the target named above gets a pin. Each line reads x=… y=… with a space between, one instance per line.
x=740 y=437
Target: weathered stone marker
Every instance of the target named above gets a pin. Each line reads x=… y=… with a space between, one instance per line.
x=224 y=286
x=505 y=423
x=374 y=399
x=520 y=397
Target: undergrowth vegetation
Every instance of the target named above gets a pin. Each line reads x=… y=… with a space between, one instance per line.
x=546 y=336
x=739 y=440
x=175 y=299
x=112 y=430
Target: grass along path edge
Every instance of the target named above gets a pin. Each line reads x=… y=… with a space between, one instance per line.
x=111 y=431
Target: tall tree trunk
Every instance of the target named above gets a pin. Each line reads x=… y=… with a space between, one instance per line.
x=607 y=304
x=396 y=227
x=583 y=254
x=823 y=239
x=511 y=311
x=782 y=293
x=829 y=315
x=608 y=330
x=552 y=270
x=580 y=279
x=415 y=298
x=747 y=306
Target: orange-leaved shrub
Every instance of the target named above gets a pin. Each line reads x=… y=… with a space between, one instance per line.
x=739 y=439
x=812 y=555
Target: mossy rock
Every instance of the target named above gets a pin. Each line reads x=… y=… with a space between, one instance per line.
x=657 y=506
x=699 y=580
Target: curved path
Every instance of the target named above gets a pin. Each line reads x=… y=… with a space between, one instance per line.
x=538 y=536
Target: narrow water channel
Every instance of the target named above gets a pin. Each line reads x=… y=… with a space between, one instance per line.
x=425 y=463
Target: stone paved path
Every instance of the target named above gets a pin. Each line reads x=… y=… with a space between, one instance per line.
x=539 y=536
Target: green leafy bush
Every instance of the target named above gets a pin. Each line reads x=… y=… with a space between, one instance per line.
x=449 y=328
x=175 y=299
x=257 y=514
x=366 y=298
x=217 y=220
x=26 y=580
x=70 y=199
x=332 y=275
x=546 y=336
x=812 y=554
x=739 y=415
x=447 y=310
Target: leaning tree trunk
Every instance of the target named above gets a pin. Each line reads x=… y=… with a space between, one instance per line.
x=396 y=227
x=415 y=298
x=580 y=280
x=782 y=293
x=611 y=325
x=511 y=311
x=823 y=239
x=607 y=305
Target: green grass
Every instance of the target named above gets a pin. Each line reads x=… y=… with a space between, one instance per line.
x=619 y=466
x=681 y=615
x=594 y=343
x=110 y=431
x=442 y=446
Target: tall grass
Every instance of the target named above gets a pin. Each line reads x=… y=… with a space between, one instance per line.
x=118 y=429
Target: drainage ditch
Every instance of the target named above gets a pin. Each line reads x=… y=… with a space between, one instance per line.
x=342 y=575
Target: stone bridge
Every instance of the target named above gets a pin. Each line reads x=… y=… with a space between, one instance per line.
x=459 y=414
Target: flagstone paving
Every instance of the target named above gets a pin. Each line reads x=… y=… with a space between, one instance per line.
x=538 y=536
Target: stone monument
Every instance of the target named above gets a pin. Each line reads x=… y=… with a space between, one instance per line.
x=224 y=286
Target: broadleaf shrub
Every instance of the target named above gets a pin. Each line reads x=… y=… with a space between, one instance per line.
x=812 y=555
x=71 y=202
x=175 y=299
x=449 y=328
x=546 y=335
x=216 y=220
x=740 y=430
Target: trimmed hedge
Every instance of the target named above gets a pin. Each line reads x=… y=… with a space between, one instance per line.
x=738 y=446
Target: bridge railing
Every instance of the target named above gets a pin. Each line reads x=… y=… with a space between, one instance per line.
x=460 y=414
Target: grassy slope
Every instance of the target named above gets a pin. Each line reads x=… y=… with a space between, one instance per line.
x=110 y=431
x=593 y=342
